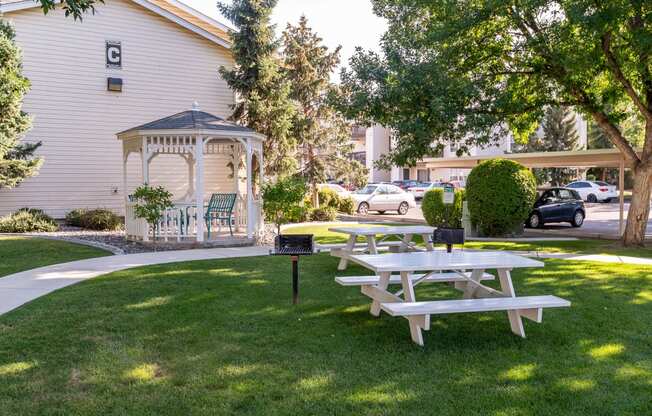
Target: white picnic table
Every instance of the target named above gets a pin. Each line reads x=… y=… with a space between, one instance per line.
x=465 y=269
x=373 y=240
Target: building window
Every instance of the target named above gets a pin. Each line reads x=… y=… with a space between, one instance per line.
x=406 y=174
x=423 y=175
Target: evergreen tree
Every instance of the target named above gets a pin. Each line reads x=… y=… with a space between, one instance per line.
x=263 y=102
x=323 y=134
x=558 y=133
x=16 y=159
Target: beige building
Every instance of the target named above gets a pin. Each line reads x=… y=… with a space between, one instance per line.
x=131 y=62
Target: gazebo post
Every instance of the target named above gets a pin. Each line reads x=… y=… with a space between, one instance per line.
x=144 y=154
x=250 y=200
x=199 y=188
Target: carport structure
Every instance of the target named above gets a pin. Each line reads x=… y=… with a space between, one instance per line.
x=597 y=158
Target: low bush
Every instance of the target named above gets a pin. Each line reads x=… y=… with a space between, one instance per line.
x=438 y=214
x=323 y=214
x=500 y=194
x=347 y=206
x=74 y=217
x=101 y=220
x=27 y=220
x=283 y=201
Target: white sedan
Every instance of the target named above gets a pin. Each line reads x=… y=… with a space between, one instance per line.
x=419 y=191
x=382 y=198
x=594 y=191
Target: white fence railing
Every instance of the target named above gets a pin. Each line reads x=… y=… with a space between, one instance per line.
x=180 y=221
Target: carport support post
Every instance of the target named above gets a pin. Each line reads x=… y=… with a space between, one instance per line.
x=621 y=196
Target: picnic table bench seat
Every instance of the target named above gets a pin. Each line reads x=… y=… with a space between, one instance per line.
x=530 y=307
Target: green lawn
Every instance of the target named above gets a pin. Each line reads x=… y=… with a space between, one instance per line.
x=584 y=246
x=221 y=338
x=23 y=253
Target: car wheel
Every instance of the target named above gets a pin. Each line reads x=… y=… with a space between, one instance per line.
x=381 y=212
x=578 y=219
x=403 y=208
x=534 y=221
x=363 y=208
x=592 y=198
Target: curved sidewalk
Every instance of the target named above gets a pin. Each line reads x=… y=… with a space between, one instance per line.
x=20 y=288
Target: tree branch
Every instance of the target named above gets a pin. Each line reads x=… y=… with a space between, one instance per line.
x=612 y=64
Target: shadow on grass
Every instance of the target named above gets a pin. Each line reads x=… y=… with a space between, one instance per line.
x=221 y=337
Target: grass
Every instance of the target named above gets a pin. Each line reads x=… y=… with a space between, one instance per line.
x=583 y=246
x=221 y=338
x=22 y=253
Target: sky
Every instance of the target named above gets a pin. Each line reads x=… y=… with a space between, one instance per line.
x=348 y=23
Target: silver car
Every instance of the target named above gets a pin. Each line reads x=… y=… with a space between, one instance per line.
x=382 y=198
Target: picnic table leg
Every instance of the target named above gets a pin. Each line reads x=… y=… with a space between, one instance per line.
x=427 y=242
x=371 y=244
x=405 y=243
x=408 y=295
x=347 y=251
x=507 y=288
x=476 y=276
x=383 y=283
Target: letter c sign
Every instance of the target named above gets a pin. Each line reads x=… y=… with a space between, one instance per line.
x=113 y=54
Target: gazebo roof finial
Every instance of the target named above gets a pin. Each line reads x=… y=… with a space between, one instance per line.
x=195 y=106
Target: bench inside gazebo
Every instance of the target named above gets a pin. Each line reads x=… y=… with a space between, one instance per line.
x=212 y=167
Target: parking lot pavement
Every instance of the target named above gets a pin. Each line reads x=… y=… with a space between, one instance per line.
x=601 y=221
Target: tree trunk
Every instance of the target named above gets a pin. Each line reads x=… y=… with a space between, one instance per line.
x=315 y=195
x=639 y=207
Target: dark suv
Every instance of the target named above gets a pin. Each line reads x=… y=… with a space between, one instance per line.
x=557 y=205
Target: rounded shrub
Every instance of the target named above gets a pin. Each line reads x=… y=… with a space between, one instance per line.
x=500 y=194
x=101 y=220
x=347 y=206
x=329 y=198
x=27 y=220
x=75 y=216
x=323 y=214
x=438 y=214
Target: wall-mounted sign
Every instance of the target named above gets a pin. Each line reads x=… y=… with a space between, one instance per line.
x=113 y=54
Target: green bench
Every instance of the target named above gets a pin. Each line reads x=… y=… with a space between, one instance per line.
x=220 y=208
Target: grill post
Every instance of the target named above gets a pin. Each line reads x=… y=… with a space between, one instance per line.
x=295 y=280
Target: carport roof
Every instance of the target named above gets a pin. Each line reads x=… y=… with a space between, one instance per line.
x=576 y=158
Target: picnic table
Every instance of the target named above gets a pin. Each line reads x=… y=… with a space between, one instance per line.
x=373 y=240
x=466 y=270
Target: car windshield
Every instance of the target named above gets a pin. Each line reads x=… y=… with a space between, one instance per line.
x=602 y=183
x=367 y=190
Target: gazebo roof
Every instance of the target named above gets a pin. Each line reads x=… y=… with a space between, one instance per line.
x=190 y=121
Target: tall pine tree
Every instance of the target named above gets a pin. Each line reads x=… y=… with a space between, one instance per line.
x=264 y=103
x=16 y=159
x=323 y=134
x=558 y=133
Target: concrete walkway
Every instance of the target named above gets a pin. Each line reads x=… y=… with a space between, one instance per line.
x=20 y=288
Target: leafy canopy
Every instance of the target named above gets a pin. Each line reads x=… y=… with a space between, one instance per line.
x=74 y=8
x=283 y=200
x=469 y=72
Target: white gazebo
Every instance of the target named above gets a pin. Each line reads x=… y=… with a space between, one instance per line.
x=193 y=148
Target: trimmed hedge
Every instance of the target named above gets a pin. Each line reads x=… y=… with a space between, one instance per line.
x=438 y=214
x=323 y=214
x=74 y=217
x=99 y=219
x=27 y=220
x=500 y=194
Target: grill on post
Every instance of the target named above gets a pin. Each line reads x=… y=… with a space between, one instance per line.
x=294 y=245
x=448 y=236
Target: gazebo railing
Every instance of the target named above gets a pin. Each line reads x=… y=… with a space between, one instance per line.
x=180 y=221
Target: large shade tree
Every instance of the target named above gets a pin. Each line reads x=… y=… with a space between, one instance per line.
x=16 y=158
x=264 y=102
x=467 y=71
x=323 y=135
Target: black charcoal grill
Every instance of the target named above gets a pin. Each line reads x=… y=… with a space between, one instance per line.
x=448 y=236
x=294 y=245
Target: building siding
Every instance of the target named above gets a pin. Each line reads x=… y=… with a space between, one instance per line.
x=165 y=68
